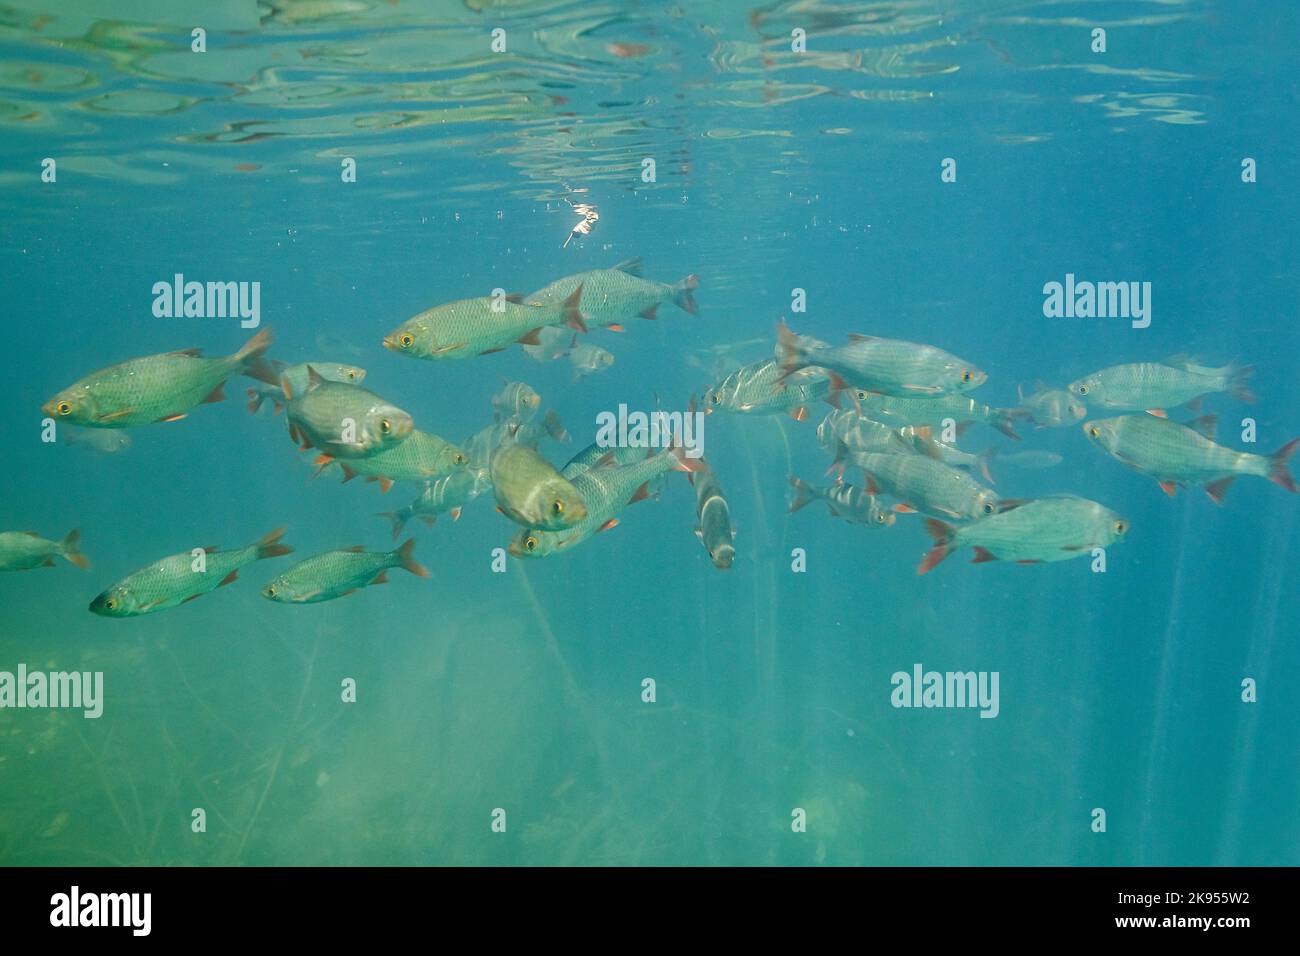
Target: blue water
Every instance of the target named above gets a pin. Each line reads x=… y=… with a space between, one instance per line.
x=522 y=690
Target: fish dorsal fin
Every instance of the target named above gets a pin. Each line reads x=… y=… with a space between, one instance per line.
x=355 y=549
x=1206 y=425
x=515 y=297
x=1181 y=360
x=187 y=353
x=856 y=337
x=1040 y=385
x=314 y=378
x=631 y=266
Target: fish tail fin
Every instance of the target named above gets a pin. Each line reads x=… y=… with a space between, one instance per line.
x=255 y=399
x=269 y=546
x=802 y=493
x=405 y=557
x=398 y=519
x=682 y=296
x=1004 y=421
x=1279 y=473
x=983 y=459
x=572 y=313
x=70 y=549
x=788 y=350
x=1237 y=376
x=942 y=535
x=252 y=361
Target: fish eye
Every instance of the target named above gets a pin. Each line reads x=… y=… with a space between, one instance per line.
x=1121 y=526
x=385 y=425
x=988 y=508
x=111 y=603
x=406 y=340
x=880 y=517
x=966 y=375
x=716 y=399
x=530 y=543
x=351 y=374
x=459 y=459
x=862 y=396
x=1083 y=389
x=63 y=408
x=1094 y=431
x=557 y=506
x=270 y=590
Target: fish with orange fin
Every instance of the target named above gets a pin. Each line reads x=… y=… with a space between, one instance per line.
x=24 y=550
x=298 y=378
x=157 y=388
x=845 y=501
x=763 y=388
x=344 y=421
x=336 y=574
x=607 y=488
x=470 y=327
x=421 y=457
x=883 y=366
x=182 y=577
x=1029 y=532
x=446 y=495
x=921 y=483
x=609 y=297
x=1156 y=386
x=1175 y=454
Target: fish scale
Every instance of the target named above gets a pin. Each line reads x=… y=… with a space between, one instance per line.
x=612 y=296
x=764 y=388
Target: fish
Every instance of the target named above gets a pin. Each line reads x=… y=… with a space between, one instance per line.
x=553 y=342
x=448 y=494
x=174 y=580
x=483 y=444
x=336 y=574
x=157 y=388
x=921 y=439
x=1175 y=454
x=935 y=412
x=763 y=388
x=607 y=489
x=859 y=433
x=1157 y=386
x=1049 y=407
x=24 y=550
x=100 y=441
x=422 y=456
x=610 y=297
x=923 y=484
x=470 y=327
x=845 y=501
x=882 y=366
x=320 y=417
x=588 y=359
x=1029 y=532
x=531 y=492
x=713 y=517
x=516 y=400
x=297 y=376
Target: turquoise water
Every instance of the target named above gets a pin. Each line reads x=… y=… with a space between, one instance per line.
x=522 y=690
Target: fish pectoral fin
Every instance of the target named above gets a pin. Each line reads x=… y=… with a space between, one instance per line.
x=228 y=578
x=902 y=508
x=615 y=327
x=173 y=418
x=611 y=523
x=216 y=395
x=448 y=348
x=49 y=563
x=380 y=578
x=1169 y=487
x=928 y=389
x=111 y=416
x=1158 y=412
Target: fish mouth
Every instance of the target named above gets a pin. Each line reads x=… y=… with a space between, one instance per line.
x=390 y=342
